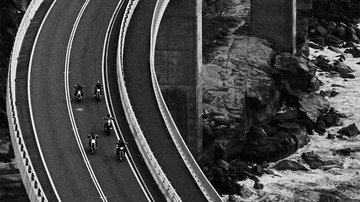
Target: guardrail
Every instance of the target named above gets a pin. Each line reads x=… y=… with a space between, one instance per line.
x=203 y=183
x=162 y=181
x=27 y=172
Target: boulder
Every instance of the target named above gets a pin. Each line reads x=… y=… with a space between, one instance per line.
x=336 y=50
x=331 y=117
x=333 y=40
x=312 y=159
x=347 y=76
x=320 y=127
x=350 y=130
x=331 y=136
x=319 y=40
x=354 y=51
x=298 y=71
x=290 y=165
x=323 y=63
x=258 y=185
x=320 y=30
x=342 y=68
x=258 y=170
x=313 y=104
x=269 y=148
x=297 y=132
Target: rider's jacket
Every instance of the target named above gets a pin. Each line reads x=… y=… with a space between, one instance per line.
x=120 y=144
x=78 y=87
x=92 y=136
x=98 y=85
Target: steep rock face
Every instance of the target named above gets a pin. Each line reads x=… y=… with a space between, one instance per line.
x=11 y=186
x=239 y=69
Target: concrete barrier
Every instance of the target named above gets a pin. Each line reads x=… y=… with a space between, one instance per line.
x=201 y=180
x=27 y=172
x=163 y=183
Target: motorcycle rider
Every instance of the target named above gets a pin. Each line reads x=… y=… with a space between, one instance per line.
x=120 y=143
x=92 y=136
x=79 y=87
x=97 y=86
x=107 y=117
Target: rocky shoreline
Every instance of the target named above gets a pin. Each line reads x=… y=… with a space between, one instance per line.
x=261 y=106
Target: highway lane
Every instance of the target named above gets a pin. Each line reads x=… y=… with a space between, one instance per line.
x=142 y=98
x=56 y=137
x=86 y=68
x=118 y=111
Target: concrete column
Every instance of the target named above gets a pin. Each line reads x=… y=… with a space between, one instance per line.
x=304 y=4
x=178 y=67
x=275 y=20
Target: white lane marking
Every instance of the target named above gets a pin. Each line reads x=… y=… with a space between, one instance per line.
x=30 y=104
x=106 y=83
x=68 y=102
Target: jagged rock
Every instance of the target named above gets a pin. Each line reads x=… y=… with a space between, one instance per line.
x=334 y=49
x=342 y=68
x=298 y=71
x=269 y=148
x=331 y=118
x=297 y=132
x=333 y=40
x=345 y=151
x=320 y=30
x=289 y=114
x=347 y=76
x=323 y=63
x=258 y=185
x=337 y=85
x=354 y=51
x=289 y=165
x=258 y=170
x=349 y=131
x=320 y=127
x=319 y=40
x=240 y=66
x=313 y=104
x=331 y=136
x=312 y=159
x=315 y=46
x=333 y=93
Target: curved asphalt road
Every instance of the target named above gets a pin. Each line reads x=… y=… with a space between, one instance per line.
x=55 y=133
x=142 y=98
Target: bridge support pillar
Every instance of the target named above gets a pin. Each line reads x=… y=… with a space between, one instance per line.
x=178 y=67
x=275 y=20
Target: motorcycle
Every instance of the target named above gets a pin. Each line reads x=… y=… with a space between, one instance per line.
x=108 y=126
x=92 y=146
x=79 y=96
x=120 y=153
x=98 y=94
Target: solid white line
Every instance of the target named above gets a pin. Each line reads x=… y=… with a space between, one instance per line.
x=68 y=102
x=30 y=104
x=106 y=83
